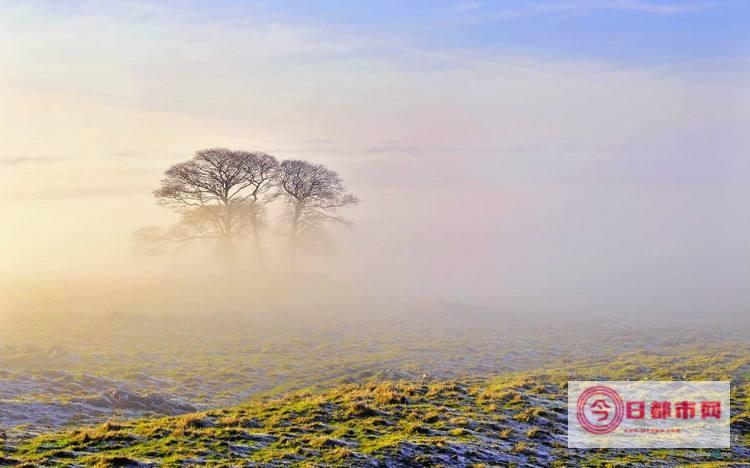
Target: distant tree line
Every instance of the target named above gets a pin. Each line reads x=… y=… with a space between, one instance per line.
x=222 y=195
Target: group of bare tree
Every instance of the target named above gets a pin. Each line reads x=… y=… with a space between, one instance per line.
x=222 y=195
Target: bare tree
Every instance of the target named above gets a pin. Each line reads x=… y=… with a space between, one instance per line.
x=313 y=194
x=262 y=171
x=219 y=194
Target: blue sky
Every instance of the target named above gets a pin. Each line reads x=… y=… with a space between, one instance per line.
x=619 y=31
x=616 y=31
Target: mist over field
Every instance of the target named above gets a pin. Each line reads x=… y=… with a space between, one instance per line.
x=409 y=224
x=568 y=185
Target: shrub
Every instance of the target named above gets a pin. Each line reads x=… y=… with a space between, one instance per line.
x=361 y=410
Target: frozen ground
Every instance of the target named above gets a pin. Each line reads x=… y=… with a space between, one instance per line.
x=65 y=372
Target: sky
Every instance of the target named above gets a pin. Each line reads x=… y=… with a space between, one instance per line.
x=553 y=154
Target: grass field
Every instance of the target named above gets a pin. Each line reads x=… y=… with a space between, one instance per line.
x=512 y=418
x=450 y=391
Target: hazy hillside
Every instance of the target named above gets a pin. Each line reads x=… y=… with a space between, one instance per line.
x=78 y=369
x=512 y=418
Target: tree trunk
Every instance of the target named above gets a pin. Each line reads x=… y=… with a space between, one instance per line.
x=293 y=239
x=256 y=237
x=293 y=251
x=227 y=241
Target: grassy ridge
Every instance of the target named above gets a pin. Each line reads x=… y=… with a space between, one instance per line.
x=515 y=418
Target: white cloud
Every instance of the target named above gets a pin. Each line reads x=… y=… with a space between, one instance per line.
x=661 y=8
x=506 y=11
x=468 y=6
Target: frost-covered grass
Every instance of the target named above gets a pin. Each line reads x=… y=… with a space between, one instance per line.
x=66 y=371
x=514 y=417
